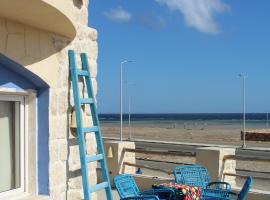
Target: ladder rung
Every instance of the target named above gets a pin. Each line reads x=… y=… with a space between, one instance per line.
x=87 y=101
x=91 y=129
x=94 y=158
x=82 y=72
x=98 y=187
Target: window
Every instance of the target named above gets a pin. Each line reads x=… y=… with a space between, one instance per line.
x=12 y=144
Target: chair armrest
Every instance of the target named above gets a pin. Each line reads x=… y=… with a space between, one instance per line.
x=143 y=197
x=233 y=193
x=160 y=192
x=217 y=194
x=219 y=185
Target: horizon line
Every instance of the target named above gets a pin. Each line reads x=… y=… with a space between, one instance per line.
x=184 y=113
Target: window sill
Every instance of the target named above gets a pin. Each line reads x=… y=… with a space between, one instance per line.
x=29 y=197
x=34 y=197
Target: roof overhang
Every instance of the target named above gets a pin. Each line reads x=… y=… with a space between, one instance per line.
x=54 y=16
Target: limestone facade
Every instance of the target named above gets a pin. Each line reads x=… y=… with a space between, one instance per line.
x=45 y=54
x=119 y=156
x=217 y=165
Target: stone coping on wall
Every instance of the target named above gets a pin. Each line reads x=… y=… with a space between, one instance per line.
x=31 y=197
x=37 y=198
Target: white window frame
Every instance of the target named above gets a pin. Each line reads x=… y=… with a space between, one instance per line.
x=23 y=108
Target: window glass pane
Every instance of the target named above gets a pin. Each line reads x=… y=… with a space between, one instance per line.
x=9 y=145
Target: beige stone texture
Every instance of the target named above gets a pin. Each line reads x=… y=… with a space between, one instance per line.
x=58 y=192
x=15 y=28
x=44 y=51
x=94 y=84
x=46 y=44
x=58 y=173
x=49 y=15
x=3 y=35
x=58 y=123
x=32 y=44
x=92 y=49
x=93 y=34
x=75 y=194
x=47 y=70
x=212 y=159
x=93 y=69
x=116 y=163
x=15 y=46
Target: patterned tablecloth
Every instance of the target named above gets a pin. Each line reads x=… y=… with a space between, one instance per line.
x=182 y=192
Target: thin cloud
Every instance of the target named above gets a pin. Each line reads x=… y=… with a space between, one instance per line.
x=148 y=20
x=199 y=14
x=118 y=15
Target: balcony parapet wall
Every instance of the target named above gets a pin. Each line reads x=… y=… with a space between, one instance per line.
x=58 y=17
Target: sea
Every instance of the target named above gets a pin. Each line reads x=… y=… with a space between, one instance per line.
x=186 y=116
x=252 y=120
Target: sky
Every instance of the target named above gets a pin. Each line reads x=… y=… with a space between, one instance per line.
x=188 y=54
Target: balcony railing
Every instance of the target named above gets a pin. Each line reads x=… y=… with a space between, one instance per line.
x=192 y=154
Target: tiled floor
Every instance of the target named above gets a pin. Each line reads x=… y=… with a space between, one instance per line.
x=102 y=195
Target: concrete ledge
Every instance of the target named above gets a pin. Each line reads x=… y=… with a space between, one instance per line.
x=37 y=198
x=195 y=145
x=255 y=194
x=30 y=197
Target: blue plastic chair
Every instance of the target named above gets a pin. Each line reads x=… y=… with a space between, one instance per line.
x=128 y=190
x=224 y=195
x=245 y=189
x=197 y=175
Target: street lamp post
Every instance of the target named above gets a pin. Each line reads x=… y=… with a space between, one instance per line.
x=267 y=118
x=121 y=97
x=129 y=109
x=243 y=76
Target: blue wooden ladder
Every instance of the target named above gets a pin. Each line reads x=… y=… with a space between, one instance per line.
x=82 y=131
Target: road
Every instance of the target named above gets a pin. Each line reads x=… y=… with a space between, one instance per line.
x=173 y=147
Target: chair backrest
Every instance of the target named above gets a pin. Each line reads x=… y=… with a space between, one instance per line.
x=244 y=192
x=194 y=175
x=126 y=186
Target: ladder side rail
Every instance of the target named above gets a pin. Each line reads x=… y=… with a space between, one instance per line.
x=93 y=107
x=81 y=137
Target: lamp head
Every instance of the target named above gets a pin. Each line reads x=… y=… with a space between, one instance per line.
x=242 y=75
x=127 y=61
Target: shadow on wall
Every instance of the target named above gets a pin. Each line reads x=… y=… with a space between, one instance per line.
x=78 y=3
x=28 y=45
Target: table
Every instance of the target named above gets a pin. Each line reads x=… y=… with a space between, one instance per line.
x=182 y=192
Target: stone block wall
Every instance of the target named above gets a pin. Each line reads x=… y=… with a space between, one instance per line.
x=213 y=159
x=46 y=54
x=119 y=156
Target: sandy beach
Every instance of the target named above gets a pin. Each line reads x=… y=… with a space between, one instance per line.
x=210 y=132
x=216 y=132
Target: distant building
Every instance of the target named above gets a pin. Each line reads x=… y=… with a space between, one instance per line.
x=38 y=152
